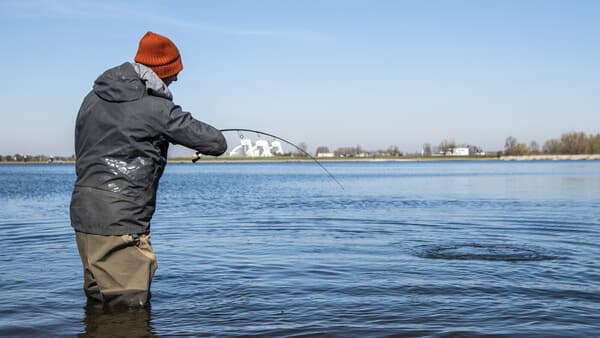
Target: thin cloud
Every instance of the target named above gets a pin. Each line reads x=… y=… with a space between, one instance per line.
x=54 y=9
x=69 y=9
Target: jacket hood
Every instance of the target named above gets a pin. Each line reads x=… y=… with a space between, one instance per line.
x=120 y=84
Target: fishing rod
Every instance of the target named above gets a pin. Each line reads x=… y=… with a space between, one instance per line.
x=197 y=156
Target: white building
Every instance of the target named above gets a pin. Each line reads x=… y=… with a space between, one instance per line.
x=325 y=155
x=459 y=151
x=261 y=148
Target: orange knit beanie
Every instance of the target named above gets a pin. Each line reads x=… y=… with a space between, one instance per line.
x=160 y=54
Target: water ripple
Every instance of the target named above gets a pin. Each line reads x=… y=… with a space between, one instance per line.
x=483 y=251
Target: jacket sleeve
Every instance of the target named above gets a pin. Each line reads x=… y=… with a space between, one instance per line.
x=182 y=128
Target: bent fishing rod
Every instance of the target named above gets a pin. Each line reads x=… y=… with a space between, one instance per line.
x=197 y=156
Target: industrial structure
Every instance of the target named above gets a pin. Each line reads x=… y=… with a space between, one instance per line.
x=260 y=148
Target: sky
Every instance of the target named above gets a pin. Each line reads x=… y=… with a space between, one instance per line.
x=330 y=73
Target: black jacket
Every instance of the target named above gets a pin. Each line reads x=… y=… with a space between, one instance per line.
x=122 y=135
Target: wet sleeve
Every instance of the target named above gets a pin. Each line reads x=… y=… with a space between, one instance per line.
x=182 y=128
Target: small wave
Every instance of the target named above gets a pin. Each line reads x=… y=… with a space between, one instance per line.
x=487 y=252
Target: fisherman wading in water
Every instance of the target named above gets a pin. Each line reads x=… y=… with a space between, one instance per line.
x=122 y=134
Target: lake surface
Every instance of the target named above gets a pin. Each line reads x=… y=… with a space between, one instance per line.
x=469 y=248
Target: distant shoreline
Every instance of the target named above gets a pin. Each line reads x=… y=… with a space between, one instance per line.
x=579 y=157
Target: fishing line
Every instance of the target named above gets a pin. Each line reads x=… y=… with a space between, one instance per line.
x=240 y=130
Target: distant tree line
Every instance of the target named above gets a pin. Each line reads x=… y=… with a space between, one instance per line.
x=358 y=151
x=571 y=143
x=35 y=158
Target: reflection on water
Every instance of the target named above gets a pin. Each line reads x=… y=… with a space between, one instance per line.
x=101 y=321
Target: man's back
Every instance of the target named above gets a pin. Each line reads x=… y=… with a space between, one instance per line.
x=120 y=155
x=122 y=135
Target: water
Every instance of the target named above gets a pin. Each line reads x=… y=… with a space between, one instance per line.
x=278 y=249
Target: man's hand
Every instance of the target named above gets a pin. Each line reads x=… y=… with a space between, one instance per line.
x=195 y=157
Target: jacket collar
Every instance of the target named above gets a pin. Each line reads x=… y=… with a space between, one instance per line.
x=154 y=84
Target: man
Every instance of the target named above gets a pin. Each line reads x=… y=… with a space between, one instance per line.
x=122 y=134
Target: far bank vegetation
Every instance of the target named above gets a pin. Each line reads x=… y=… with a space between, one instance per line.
x=571 y=143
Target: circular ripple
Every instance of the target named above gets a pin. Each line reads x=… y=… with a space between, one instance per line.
x=487 y=252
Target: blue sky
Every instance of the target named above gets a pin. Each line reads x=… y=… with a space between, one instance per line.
x=334 y=73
